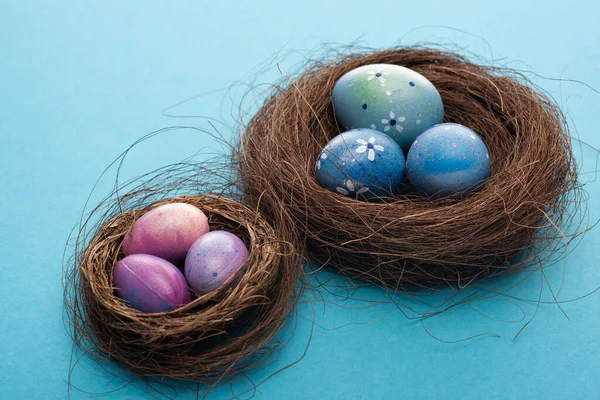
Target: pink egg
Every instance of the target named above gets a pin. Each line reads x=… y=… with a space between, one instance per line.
x=213 y=259
x=167 y=232
x=150 y=284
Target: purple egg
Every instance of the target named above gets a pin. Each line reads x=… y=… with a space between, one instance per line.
x=167 y=232
x=213 y=259
x=150 y=284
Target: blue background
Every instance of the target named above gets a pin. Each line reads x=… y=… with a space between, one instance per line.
x=81 y=81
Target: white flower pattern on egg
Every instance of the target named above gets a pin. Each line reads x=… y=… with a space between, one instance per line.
x=322 y=157
x=350 y=188
x=392 y=122
x=377 y=74
x=370 y=146
x=342 y=191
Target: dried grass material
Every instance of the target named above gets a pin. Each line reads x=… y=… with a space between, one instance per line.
x=218 y=334
x=409 y=240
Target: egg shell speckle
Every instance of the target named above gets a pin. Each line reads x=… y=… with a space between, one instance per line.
x=361 y=163
x=213 y=259
x=150 y=284
x=395 y=100
x=167 y=232
x=446 y=159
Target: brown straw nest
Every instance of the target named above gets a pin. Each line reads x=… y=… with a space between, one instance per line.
x=218 y=334
x=408 y=240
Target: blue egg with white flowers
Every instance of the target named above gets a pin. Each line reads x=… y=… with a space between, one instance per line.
x=447 y=159
x=389 y=98
x=362 y=164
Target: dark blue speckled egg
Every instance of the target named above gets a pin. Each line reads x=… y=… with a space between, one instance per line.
x=446 y=159
x=361 y=163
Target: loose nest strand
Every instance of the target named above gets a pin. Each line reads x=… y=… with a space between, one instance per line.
x=217 y=334
x=408 y=240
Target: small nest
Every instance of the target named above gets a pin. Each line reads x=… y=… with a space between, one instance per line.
x=408 y=240
x=217 y=334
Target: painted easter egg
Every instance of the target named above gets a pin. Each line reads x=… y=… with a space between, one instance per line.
x=392 y=99
x=213 y=259
x=167 y=232
x=447 y=159
x=361 y=163
x=150 y=284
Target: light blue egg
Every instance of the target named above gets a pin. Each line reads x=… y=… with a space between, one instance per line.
x=361 y=163
x=447 y=159
x=389 y=98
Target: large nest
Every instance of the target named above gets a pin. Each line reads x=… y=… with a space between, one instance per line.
x=217 y=334
x=409 y=240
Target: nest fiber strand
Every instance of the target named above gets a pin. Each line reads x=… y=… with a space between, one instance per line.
x=410 y=240
x=217 y=334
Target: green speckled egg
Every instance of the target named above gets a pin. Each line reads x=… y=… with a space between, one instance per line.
x=389 y=98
